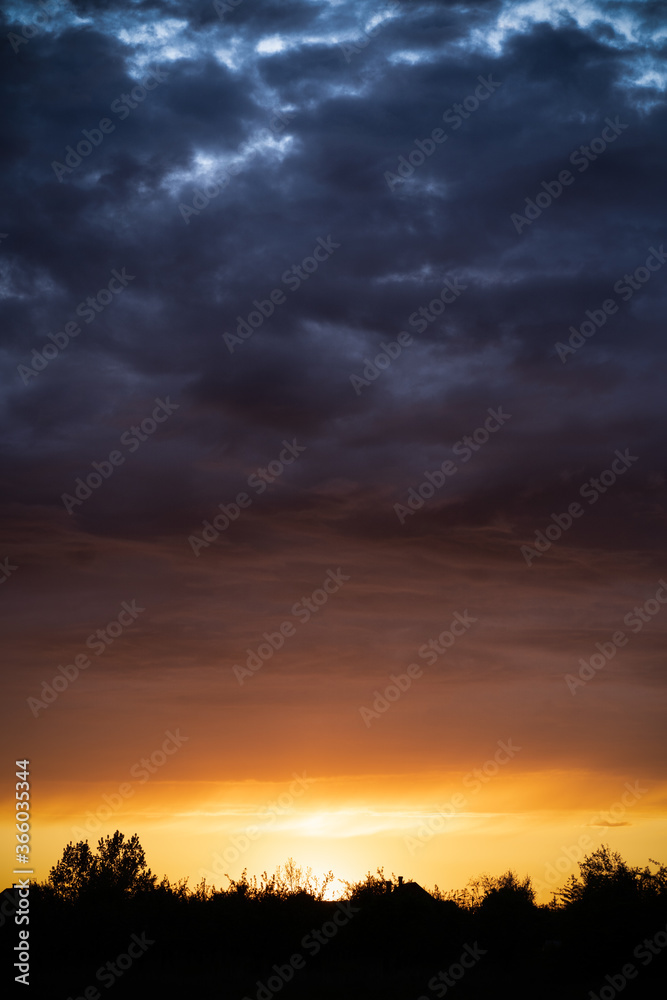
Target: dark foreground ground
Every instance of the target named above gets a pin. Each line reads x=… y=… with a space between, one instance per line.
x=299 y=948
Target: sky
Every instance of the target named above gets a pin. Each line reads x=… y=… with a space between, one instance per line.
x=333 y=507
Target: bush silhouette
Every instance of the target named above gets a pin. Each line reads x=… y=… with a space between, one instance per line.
x=286 y=882
x=370 y=888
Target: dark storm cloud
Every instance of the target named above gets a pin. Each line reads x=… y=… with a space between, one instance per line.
x=323 y=176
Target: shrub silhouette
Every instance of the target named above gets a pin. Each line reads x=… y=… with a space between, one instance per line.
x=370 y=888
x=494 y=892
x=288 y=881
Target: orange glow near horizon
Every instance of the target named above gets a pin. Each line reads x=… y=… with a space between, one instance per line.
x=375 y=786
x=407 y=824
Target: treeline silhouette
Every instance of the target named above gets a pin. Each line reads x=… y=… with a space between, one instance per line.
x=103 y=920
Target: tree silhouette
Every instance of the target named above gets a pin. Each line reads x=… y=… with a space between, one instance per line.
x=71 y=876
x=605 y=878
x=506 y=892
x=493 y=892
x=118 y=868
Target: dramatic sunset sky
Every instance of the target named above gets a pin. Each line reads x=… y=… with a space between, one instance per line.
x=355 y=159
